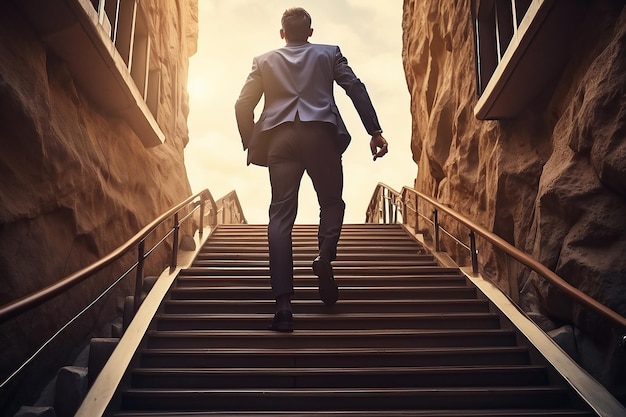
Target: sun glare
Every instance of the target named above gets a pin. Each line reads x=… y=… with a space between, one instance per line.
x=197 y=87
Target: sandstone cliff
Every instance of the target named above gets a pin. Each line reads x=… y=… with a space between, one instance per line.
x=76 y=182
x=551 y=181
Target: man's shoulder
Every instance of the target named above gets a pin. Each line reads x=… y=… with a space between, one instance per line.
x=325 y=46
x=307 y=45
x=291 y=51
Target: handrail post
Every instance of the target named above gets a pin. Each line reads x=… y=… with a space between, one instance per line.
x=511 y=271
x=388 y=203
x=202 y=204
x=141 y=247
x=417 y=216
x=436 y=226
x=404 y=208
x=383 y=202
x=175 y=243
x=474 y=252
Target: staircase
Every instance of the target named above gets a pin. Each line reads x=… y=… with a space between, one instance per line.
x=407 y=337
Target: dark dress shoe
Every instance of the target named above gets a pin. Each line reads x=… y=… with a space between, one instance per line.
x=326 y=281
x=283 y=322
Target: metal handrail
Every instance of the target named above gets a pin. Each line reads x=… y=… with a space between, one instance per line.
x=570 y=291
x=39 y=297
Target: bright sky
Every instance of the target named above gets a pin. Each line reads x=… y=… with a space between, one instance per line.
x=232 y=32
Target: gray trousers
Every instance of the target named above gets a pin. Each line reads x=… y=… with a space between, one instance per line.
x=294 y=148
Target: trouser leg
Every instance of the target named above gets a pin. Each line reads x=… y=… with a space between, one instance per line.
x=324 y=167
x=285 y=171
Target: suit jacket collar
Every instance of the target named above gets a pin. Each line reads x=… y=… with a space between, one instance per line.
x=297 y=43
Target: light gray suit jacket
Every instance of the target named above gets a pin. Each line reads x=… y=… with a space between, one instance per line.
x=298 y=79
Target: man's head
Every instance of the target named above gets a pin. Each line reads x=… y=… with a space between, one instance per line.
x=296 y=25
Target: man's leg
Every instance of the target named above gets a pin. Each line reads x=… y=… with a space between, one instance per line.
x=323 y=165
x=286 y=172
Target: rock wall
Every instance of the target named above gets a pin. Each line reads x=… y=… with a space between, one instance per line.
x=552 y=181
x=76 y=183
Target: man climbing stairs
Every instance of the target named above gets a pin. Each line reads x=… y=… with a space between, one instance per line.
x=408 y=337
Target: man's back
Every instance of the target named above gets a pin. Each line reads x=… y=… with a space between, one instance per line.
x=298 y=78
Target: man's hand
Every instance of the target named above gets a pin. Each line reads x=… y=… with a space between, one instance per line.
x=378 y=146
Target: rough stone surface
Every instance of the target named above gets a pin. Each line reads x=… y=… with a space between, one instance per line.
x=552 y=181
x=71 y=388
x=187 y=243
x=75 y=183
x=100 y=350
x=27 y=411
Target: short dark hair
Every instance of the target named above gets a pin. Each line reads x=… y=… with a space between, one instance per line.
x=296 y=23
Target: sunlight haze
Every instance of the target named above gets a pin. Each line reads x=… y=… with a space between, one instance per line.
x=231 y=33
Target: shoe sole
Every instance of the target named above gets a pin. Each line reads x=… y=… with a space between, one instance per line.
x=284 y=326
x=327 y=286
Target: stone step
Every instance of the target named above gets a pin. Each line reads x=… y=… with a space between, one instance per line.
x=333 y=357
x=383 y=270
x=210 y=306
x=312 y=293
x=340 y=377
x=374 y=413
x=329 y=339
x=429 y=280
x=344 y=398
x=363 y=321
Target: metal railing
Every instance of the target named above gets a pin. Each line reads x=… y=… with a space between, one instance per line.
x=229 y=209
x=387 y=205
x=177 y=214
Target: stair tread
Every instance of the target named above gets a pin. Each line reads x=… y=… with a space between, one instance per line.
x=187 y=316
x=434 y=391
x=372 y=413
x=344 y=289
x=439 y=304
x=342 y=370
x=335 y=351
x=328 y=333
x=347 y=398
x=355 y=301
x=339 y=270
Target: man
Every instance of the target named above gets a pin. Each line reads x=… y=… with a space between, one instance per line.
x=299 y=130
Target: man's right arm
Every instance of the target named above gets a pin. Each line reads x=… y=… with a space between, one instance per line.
x=378 y=145
x=355 y=89
x=248 y=99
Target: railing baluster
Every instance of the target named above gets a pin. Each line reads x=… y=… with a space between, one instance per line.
x=175 y=243
x=141 y=248
x=436 y=231
x=417 y=223
x=383 y=202
x=202 y=204
x=512 y=268
x=473 y=252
